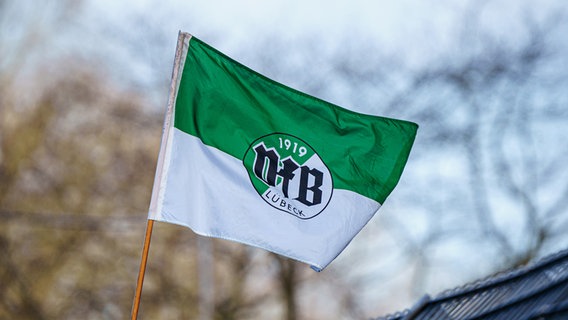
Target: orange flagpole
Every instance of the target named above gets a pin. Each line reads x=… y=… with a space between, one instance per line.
x=183 y=40
x=145 y=250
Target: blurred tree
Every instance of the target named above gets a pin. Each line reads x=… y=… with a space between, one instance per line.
x=497 y=117
x=70 y=145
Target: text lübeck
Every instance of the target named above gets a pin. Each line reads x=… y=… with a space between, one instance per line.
x=281 y=202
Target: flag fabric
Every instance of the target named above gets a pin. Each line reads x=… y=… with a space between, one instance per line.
x=248 y=159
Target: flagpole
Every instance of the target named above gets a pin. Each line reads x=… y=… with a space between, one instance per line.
x=182 y=43
x=142 y=271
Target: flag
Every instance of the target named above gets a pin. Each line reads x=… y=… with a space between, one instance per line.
x=248 y=159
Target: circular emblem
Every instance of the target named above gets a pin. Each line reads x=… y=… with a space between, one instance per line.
x=289 y=175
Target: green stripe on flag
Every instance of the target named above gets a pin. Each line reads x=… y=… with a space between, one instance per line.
x=228 y=106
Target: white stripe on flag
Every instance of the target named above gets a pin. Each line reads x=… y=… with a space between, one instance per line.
x=210 y=192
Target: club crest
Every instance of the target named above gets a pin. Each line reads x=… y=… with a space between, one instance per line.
x=289 y=175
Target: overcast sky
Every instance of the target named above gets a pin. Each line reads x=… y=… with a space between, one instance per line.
x=409 y=24
x=415 y=31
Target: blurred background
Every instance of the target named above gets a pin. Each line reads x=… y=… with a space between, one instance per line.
x=83 y=88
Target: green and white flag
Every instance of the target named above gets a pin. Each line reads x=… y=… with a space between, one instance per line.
x=248 y=159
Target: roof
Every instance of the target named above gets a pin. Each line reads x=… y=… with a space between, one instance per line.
x=534 y=292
